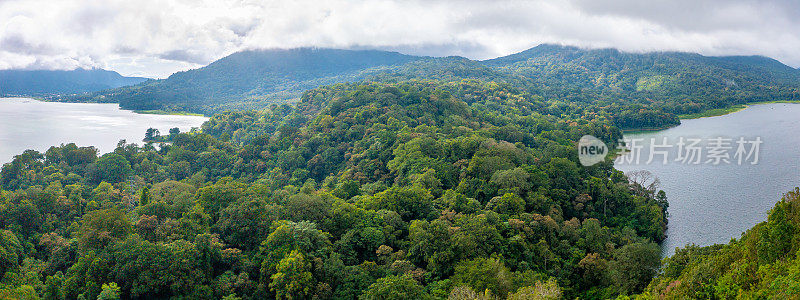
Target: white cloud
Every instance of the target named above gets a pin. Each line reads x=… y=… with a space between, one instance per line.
x=156 y=38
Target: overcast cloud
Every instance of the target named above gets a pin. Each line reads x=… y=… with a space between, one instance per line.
x=156 y=38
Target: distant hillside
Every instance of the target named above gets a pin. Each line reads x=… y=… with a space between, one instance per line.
x=251 y=79
x=636 y=90
x=51 y=82
x=679 y=82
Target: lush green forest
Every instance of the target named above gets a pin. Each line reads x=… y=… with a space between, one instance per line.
x=409 y=190
x=637 y=90
x=336 y=174
x=46 y=83
x=762 y=264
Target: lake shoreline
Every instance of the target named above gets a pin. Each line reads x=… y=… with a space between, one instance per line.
x=705 y=197
x=168 y=113
x=716 y=112
x=97 y=124
x=137 y=111
x=648 y=129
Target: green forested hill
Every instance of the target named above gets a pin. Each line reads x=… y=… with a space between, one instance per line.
x=46 y=83
x=672 y=82
x=762 y=264
x=406 y=190
x=636 y=90
x=250 y=80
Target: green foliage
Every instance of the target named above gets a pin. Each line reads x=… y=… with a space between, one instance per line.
x=112 y=168
x=762 y=264
x=375 y=190
x=110 y=292
x=24 y=292
x=412 y=203
x=484 y=274
x=540 y=291
x=508 y=204
x=394 y=288
x=53 y=287
x=102 y=227
x=634 y=266
x=293 y=279
x=11 y=251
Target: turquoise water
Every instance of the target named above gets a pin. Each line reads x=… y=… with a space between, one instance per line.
x=30 y=124
x=710 y=203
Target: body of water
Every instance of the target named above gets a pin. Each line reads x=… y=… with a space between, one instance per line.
x=30 y=124
x=713 y=201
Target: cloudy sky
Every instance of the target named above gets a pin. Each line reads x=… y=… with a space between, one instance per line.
x=156 y=38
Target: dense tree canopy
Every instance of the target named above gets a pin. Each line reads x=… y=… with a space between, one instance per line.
x=401 y=190
x=762 y=264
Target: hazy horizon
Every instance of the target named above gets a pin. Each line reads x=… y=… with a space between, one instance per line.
x=160 y=38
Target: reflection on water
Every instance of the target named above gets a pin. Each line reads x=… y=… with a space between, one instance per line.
x=29 y=124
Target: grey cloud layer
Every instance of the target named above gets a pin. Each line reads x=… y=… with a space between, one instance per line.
x=156 y=38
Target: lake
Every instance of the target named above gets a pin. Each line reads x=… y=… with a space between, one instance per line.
x=711 y=203
x=30 y=124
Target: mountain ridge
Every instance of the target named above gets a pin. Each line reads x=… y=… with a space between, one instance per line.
x=664 y=84
x=52 y=82
x=252 y=75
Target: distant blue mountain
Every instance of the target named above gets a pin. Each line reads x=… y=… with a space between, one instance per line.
x=58 y=82
x=251 y=79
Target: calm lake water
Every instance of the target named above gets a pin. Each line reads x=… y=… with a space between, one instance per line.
x=30 y=124
x=710 y=203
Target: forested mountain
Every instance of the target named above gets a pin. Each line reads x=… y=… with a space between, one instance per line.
x=48 y=82
x=635 y=90
x=410 y=190
x=762 y=264
x=672 y=82
x=250 y=79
